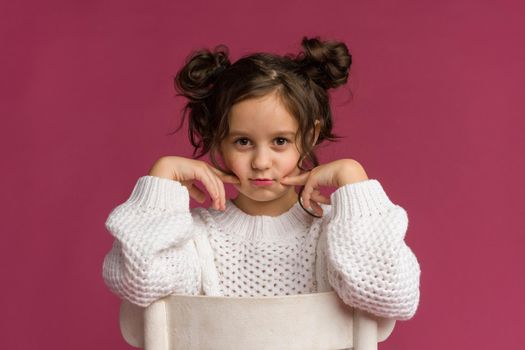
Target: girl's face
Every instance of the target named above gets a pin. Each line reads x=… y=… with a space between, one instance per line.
x=261 y=144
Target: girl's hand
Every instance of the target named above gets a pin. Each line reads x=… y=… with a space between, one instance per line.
x=335 y=174
x=186 y=171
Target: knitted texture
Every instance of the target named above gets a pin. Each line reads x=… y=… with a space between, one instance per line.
x=370 y=266
x=148 y=259
x=162 y=247
x=262 y=255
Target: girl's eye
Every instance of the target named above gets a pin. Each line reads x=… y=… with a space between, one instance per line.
x=242 y=141
x=281 y=141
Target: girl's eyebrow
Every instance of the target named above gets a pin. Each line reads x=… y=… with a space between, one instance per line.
x=282 y=132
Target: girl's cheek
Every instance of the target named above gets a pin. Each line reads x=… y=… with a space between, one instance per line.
x=231 y=165
x=237 y=168
x=292 y=168
x=239 y=175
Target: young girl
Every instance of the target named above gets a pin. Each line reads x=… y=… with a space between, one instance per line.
x=263 y=116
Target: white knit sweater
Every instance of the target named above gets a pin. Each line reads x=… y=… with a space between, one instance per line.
x=357 y=248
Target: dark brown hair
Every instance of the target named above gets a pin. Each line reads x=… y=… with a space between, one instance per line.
x=212 y=85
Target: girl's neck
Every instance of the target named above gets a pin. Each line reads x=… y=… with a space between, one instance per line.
x=274 y=207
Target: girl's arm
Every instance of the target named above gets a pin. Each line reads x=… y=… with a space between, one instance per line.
x=153 y=254
x=369 y=265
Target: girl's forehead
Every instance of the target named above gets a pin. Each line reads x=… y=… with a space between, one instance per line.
x=265 y=113
x=271 y=126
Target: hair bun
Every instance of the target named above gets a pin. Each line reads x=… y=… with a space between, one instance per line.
x=200 y=71
x=327 y=63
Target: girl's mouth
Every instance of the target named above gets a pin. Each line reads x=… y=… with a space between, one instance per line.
x=261 y=182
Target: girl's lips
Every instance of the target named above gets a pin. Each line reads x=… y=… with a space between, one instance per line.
x=258 y=182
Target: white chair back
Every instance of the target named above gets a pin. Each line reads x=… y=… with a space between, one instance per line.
x=318 y=321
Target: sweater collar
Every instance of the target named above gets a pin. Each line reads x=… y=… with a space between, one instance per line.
x=286 y=226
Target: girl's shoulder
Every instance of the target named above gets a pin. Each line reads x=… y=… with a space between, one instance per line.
x=202 y=219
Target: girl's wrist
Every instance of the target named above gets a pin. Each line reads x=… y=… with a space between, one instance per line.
x=352 y=172
x=159 y=169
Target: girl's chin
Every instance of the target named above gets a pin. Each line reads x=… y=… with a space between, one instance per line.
x=262 y=193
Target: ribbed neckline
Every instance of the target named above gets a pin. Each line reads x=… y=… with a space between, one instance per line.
x=286 y=226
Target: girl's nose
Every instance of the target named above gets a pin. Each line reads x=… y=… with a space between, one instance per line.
x=261 y=160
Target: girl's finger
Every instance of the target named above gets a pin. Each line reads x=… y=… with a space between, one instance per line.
x=211 y=186
x=230 y=179
x=318 y=197
x=225 y=177
x=308 y=189
x=220 y=195
x=317 y=208
x=222 y=192
x=305 y=197
x=313 y=207
x=197 y=194
x=194 y=191
x=295 y=179
x=221 y=178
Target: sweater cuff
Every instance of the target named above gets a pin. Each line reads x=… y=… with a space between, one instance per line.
x=358 y=199
x=158 y=192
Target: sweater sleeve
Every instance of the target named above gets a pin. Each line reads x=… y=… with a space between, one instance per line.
x=369 y=265
x=153 y=254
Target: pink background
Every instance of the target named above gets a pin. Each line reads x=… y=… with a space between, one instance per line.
x=437 y=116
